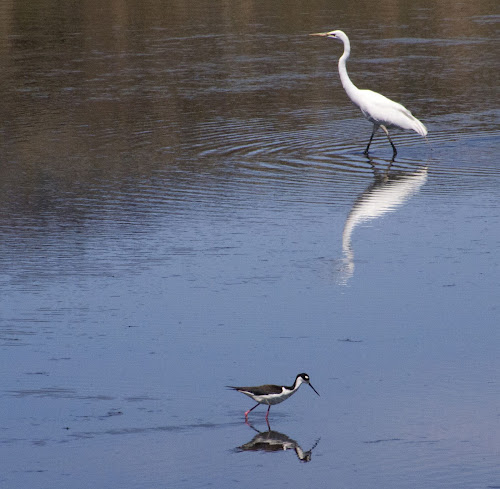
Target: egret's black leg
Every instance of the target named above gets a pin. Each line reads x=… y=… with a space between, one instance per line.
x=375 y=127
x=395 y=152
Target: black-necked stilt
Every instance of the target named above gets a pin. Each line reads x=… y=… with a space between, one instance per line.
x=272 y=394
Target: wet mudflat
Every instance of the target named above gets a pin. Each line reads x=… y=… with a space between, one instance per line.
x=185 y=205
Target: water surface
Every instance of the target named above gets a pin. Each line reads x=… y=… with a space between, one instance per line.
x=184 y=205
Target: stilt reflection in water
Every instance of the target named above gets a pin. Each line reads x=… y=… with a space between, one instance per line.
x=274 y=441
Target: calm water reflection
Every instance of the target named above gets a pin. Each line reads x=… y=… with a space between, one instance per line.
x=391 y=188
x=184 y=204
x=273 y=441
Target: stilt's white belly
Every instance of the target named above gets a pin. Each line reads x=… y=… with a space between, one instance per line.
x=272 y=399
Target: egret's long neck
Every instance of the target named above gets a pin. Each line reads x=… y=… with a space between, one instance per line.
x=348 y=85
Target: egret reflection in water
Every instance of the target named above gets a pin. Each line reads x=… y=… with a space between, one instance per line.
x=391 y=189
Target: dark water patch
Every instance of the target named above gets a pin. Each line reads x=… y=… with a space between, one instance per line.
x=112 y=413
x=56 y=393
x=417 y=442
x=382 y=440
x=141 y=398
x=154 y=429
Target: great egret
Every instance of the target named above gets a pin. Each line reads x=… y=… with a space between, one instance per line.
x=379 y=110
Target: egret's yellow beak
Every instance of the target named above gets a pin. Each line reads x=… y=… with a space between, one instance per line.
x=321 y=34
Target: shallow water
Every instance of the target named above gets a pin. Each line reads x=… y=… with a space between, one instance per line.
x=184 y=205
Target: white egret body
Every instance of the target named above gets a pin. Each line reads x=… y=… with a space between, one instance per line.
x=379 y=110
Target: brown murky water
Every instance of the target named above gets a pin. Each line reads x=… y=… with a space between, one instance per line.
x=184 y=205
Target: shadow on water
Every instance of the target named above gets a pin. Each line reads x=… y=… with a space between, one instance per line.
x=274 y=441
x=390 y=189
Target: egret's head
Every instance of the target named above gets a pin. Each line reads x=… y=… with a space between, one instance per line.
x=331 y=34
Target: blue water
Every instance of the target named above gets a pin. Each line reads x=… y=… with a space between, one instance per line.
x=179 y=213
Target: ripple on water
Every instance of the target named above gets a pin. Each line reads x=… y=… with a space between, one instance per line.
x=238 y=166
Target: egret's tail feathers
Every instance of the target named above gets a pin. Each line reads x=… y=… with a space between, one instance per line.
x=419 y=128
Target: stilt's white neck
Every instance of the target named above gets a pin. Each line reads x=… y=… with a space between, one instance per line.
x=298 y=381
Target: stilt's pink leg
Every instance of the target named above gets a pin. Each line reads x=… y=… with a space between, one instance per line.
x=246 y=414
